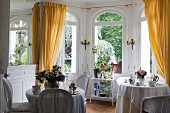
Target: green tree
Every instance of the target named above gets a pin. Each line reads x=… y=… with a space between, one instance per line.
x=111 y=34
x=20 y=51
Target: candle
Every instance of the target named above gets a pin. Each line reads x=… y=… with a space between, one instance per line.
x=82 y=39
x=126 y=38
x=88 y=39
x=133 y=37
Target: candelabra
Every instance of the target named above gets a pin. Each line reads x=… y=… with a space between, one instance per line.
x=85 y=42
x=132 y=42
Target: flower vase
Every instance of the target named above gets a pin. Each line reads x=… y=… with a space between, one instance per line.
x=112 y=74
x=141 y=80
x=49 y=85
x=106 y=75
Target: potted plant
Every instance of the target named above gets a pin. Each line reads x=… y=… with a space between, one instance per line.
x=96 y=69
x=102 y=63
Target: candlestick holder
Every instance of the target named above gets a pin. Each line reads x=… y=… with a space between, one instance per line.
x=85 y=43
x=132 y=42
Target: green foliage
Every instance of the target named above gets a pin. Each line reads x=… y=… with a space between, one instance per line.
x=109 y=16
x=111 y=34
x=103 y=55
x=24 y=57
x=67 y=68
x=68 y=41
x=103 y=58
x=94 y=49
x=20 y=51
x=108 y=68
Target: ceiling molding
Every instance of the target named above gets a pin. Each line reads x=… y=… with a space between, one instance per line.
x=20 y=5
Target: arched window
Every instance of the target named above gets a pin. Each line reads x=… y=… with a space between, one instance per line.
x=18 y=42
x=108 y=39
x=70 y=43
x=147 y=61
x=70 y=17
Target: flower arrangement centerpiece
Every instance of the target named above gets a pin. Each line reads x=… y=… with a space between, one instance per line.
x=141 y=73
x=51 y=78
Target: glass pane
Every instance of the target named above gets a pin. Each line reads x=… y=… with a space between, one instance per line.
x=70 y=17
x=70 y=49
x=18 y=48
x=146 y=57
x=18 y=24
x=109 y=46
x=108 y=17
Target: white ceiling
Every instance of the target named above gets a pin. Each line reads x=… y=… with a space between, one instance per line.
x=28 y=4
x=21 y=4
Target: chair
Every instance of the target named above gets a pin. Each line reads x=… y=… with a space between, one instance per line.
x=82 y=82
x=70 y=77
x=55 y=101
x=10 y=107
x=155 y=104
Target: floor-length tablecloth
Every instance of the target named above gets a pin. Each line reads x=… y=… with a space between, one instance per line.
x=78 y=101
x=129 y=96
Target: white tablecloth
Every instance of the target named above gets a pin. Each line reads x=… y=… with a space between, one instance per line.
x=78 y=100
x=129 y=96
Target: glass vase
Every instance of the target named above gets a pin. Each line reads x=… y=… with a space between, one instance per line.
x=49 y=85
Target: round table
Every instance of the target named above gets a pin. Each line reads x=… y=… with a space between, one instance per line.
x=78 y=100
x=129 y=96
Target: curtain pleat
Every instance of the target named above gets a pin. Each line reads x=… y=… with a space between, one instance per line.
x=35 y=27
x=158 y=17
x=52 y=25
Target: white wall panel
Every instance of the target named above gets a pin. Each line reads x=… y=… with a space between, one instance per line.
x=17 y=91
x=22 y=78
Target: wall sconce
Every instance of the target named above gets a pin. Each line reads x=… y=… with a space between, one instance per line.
x=132 y=42
x=85 y=42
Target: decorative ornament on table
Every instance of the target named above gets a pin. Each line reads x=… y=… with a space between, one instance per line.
x=155 y=78
x=51 y=78
x=132 y=80
x=140 y=76
x=72 y=88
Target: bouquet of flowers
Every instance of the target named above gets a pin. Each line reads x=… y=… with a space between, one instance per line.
x=55 y=75
x=141 y=73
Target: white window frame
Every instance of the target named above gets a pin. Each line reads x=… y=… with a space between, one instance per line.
x=62 y=51
x=29 y=36
x=114 y=23
x=140 y=20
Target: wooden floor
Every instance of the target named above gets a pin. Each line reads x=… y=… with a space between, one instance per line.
x=97 y=106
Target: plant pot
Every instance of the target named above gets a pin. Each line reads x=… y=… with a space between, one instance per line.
x=103 y=94
x=96 y=70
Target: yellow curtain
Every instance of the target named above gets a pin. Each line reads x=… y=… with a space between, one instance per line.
x=158 y=17
x=35 y=26
x=52 y=22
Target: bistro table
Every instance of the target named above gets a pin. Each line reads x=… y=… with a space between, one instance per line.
x=78 y=100
x=129 y=96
